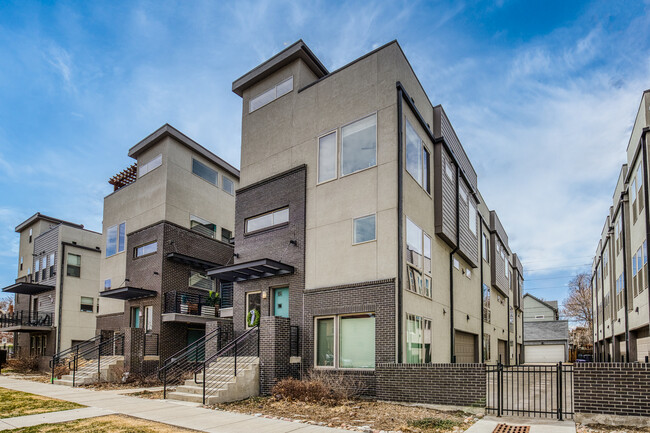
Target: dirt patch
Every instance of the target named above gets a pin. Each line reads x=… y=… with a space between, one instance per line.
x=357 y=415
x=17 y=403
x=111 y=423
x=152 y=395
x=34 y=377
x=600 y=428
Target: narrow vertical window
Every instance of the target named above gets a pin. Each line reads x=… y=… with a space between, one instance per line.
x=227 y=185
x=426 y=170
x=413 y=153
x=325 y=342
x=327 y=152
x=472 y=217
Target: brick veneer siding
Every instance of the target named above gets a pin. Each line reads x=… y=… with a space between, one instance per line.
x=612 y=388
x=110 y=322
x=285 y=189
x=223 y=327
x=274 y=351
x=446 y=384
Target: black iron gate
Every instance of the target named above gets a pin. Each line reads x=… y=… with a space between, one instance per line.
x=530 y=390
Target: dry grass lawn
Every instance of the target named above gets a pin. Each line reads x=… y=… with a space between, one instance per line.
x=357 y=413
x=599 y=428
x=111 y=423
x=17 y=403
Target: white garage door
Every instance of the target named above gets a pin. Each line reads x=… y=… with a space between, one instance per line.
x=544 y=353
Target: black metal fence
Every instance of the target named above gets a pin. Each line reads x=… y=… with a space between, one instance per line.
x=26 y=318
x=188 y=303
x=295 y=341
x=530 y=390
x=225 y=296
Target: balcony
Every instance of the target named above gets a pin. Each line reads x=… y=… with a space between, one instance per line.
x=26 y=321
x=124 y=177
x=179 y=306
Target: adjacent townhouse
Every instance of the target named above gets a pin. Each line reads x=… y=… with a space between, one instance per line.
x=619 y=283
x=359 y=225
x=546 y=337
x=57 y=287
x=170 y=217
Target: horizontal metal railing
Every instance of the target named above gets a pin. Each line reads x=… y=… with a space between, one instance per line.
x=26 y=318
x=182 y=364
x=113 y=346
x=188 y=303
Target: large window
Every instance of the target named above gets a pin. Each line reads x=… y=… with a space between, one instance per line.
x=345 y=341
x=267 y=220
x=418 y=339
x=205 y=172
x=359 y=145
x=74 y=265
x=327 y=157
x=364 y=229
x=228 y=185
x=202 y=226
x=86 y=304
x=271 y=95
x=115 y=239
x=151 y=165
x=146 y=250
x=417 y=158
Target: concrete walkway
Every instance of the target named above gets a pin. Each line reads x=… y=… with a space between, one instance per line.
x=180 y=414
x=537 y=425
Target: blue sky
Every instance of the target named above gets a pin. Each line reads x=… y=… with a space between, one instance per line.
x=542 y=94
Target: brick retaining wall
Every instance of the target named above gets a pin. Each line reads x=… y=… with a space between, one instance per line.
x=612 y=388
x=445 y=384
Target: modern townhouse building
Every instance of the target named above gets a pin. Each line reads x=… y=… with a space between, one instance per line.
x=620 y=269
x=358 y=218
x=170 y=217
x=546 y=337
x=56 y=291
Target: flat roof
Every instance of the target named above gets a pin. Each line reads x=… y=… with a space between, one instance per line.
x=251 y=270
x=27 y=288
x=169 y=131
x=128 y=293
x=39 y=216
x=297 y=50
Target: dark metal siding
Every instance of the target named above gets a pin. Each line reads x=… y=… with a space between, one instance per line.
x=44 y=245
x=468 y=240
x=445 y=196
x=442 y=128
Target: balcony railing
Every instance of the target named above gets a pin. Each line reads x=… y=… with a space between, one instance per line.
x=188 y=303
x=225 y=295
x=26 y=318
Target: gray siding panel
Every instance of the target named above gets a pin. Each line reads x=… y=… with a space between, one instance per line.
x=45 y=245
x=445 y=197
x=443 y=128
x=468 y=240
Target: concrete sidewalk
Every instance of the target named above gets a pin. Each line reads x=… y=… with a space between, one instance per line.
x=537 y=425
x=165 y=411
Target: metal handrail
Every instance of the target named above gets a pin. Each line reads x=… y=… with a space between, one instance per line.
x=73 y=364
x=245 y=346
x=57 y=357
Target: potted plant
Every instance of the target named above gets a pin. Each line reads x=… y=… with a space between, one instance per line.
x=210 y=306
x=184 y=306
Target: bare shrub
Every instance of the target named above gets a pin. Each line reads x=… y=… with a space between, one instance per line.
x=303 y=390
x=61 y=370
x=345 y=386
x=24 y=364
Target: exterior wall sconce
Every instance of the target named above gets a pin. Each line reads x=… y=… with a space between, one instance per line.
x=264 y=295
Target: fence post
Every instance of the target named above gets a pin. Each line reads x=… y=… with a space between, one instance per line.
x=165 y=381
x=499 y=386
x=204 y=368
x=559 y=390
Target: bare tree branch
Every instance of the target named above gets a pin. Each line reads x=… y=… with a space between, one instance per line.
x=578 y=306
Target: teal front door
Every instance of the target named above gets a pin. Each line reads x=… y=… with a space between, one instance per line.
x=135 y=317
x=281 y=302
x=199 y=350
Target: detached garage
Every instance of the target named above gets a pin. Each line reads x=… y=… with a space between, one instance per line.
x=546 y=342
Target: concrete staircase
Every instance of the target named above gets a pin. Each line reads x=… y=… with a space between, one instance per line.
x=111 y=369
x=222 y=385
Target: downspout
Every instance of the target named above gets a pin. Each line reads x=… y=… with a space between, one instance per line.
x=508 y=346
x=625 y=285
x=645 y=196
x=593 y=349
x=602 y=296
x=400 y=226
x=514 y=315
x=482 y=300
x=58 y=320
x=451 y=270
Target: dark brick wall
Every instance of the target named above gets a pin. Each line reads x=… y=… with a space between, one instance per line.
x=612 y=388
x=447 y=384
x=110 y=322
x=286 y=189
x=222 y=327
x=274 y=351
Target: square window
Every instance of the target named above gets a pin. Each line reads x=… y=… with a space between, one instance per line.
x=364 y=229
x=87 y=304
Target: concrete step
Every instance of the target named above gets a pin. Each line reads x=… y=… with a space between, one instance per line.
x=185 y=396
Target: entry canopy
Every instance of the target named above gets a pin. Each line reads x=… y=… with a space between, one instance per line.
x=192 y=261
x=127 y=293
x=252 y=270
x=27 y=288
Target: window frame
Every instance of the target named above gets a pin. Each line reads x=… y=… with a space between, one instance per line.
x=336 y=160
x=229 y=237
x=216 y=172
x=247 y=295
x=354 y=232
x=138 y=256
x=68 y=265
x=147 y=169
x=340 y=159
x=225 y=179
x=337 y=341
x=119 y=228
x=423 y=351
x=275 y=97
x=272 y=226
x=202 y=222
x=81 y=304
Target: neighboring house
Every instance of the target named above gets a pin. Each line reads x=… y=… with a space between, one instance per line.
x=359 y=219
x=56 y=292
x=171 y=217
x=546 y=341
x=620 y=295
x=546 y=338
x=536 y=309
